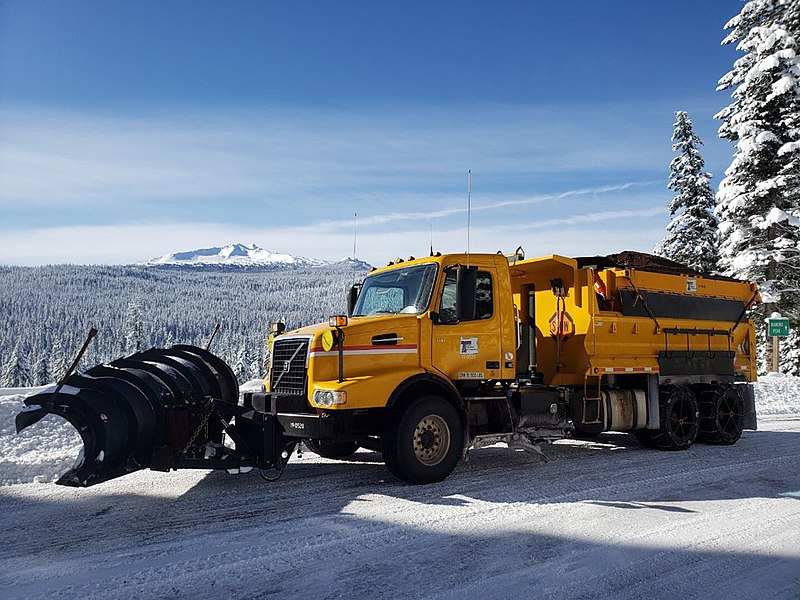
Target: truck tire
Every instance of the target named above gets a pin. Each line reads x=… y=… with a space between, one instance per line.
x=678 y=419
x=332 y=449
x=425 y=444
x=721 y=414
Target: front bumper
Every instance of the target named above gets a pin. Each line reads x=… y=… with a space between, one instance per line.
x=299 y=420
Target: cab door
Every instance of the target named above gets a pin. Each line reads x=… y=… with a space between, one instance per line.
x=468 y=349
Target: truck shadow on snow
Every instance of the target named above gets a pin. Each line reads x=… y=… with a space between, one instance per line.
x=349 y=529
x=612 y=468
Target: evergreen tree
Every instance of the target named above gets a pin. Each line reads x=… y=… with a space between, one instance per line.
x=790 y=355
x=242 y=369
x=253 y=359
x=41 y=371
x=58 y=363
x=691 y=234
x=16 y=371
x=759 y=198
x=134 y=327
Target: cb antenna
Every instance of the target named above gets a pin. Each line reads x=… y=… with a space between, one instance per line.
x=355 y=234
x=355 y=238
x=469 y=208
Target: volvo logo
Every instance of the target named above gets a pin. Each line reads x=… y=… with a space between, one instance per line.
x=287 y=365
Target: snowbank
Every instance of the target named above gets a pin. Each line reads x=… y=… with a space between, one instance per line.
x=39 y=454
x=777 y=394
x=45 y=450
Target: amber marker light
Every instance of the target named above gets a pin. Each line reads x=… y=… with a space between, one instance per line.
x=338 y=321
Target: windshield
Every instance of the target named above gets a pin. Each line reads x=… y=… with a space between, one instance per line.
x=407 y=290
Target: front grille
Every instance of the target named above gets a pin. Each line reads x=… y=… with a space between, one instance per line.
x=288 y=373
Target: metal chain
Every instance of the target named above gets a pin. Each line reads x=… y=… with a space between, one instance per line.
x=644 y=303
x=207 y=410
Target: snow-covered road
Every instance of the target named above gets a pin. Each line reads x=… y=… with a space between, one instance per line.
x=602 y=519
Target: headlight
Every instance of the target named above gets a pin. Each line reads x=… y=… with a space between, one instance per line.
x=329 y=397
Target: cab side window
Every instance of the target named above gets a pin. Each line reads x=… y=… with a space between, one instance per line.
x=484 y=307
x=484 y=303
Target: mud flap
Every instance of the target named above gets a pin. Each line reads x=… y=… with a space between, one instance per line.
x=749 y=401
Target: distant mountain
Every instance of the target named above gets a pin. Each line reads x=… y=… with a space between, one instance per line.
x=243 y=256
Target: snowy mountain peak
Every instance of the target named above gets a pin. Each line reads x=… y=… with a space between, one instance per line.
x=239 y=256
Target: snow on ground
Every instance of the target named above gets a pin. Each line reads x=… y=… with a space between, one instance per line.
x=40 y=453
x=777 y=394
x=606 y=518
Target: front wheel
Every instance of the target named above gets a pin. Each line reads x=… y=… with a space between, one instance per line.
x=425 y=444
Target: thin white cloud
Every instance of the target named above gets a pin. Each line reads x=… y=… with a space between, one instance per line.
x=594 y=217
x=129 y=243
x=273 y=155
x=485 y=206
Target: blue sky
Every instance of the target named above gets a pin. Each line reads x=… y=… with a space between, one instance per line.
x=133 y=129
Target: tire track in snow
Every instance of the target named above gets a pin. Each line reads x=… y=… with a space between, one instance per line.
x=305 y=535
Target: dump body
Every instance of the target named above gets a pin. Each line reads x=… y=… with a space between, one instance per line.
x=613 y=321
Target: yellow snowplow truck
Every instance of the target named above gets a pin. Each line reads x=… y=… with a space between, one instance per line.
x=442 y=354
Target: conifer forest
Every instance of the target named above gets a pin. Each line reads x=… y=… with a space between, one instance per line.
x=49 y=310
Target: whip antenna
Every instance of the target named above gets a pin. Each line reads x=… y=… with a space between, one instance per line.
x=469 y=208
x=355 y=238
x=355 y=234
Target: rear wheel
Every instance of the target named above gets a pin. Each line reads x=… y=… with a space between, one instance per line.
x=678 y=418
x=332 y=449
x=721 y=414
x=425 y=445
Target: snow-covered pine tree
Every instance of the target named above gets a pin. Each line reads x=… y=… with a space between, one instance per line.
x=241 y=367
x=41 y=371
x=759 y=198
x=691 y=234
x=59 y=363
x=253 y=358
x=134 y=328
x=16 y=371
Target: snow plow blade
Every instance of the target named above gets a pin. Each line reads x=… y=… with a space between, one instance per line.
x=160 y=409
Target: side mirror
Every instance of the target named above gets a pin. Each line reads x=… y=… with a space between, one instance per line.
x=466 y=288
x=352 y=298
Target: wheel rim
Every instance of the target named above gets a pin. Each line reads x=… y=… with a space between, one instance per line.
x=729 y=413
x=683 y=420
x=431 y=440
